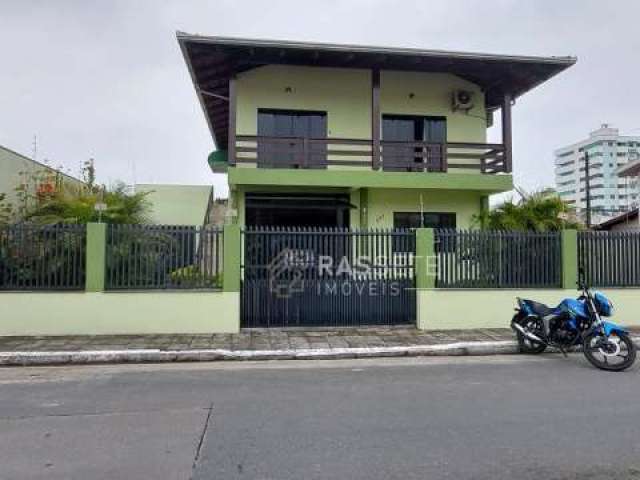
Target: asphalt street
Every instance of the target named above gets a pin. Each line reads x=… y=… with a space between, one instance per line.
x=508 y=417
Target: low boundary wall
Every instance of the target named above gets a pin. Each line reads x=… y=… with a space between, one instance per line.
x=130 y=313
x=440 y=309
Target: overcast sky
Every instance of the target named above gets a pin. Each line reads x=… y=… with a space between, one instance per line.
x=105 y=79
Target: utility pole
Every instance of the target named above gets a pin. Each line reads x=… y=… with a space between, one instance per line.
x=587 y=188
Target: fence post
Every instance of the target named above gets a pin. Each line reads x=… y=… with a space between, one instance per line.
x=231 y=261
x=96 y=257
x=569 y=239
x=425 y=262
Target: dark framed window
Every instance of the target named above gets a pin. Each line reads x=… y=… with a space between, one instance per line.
x=412 y=128
x=425 y=220
x=297 y=125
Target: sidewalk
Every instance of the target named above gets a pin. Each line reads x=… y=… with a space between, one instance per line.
x=259 y=344
x=262 y=344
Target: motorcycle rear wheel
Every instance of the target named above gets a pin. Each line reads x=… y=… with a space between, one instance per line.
x=604 y=353
x=526 y=345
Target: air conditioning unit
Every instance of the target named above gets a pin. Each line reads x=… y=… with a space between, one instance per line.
x=462 y=100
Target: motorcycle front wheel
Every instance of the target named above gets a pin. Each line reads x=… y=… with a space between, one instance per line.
x=614 y=353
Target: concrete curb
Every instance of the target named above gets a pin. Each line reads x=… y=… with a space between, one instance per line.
x=89 y=357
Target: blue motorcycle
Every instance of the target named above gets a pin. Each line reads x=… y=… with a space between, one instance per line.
x=575 y=322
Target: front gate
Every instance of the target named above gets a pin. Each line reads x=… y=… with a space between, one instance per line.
x=295 y=277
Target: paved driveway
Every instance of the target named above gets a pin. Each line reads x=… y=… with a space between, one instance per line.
x=481 y=418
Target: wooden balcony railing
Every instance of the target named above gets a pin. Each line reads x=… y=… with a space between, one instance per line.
x=319 y=153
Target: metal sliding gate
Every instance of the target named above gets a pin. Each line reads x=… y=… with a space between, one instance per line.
x=295 y=277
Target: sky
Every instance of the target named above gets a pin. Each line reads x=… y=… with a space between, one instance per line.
x=106 y=80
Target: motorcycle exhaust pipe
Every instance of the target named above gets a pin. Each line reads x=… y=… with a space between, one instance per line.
x=527 y=334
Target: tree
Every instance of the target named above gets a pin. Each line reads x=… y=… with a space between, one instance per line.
x=539 y=211
x=6 y=210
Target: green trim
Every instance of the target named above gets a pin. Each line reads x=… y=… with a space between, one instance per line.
x=231 y=261
x=96 y=256
x=425 y=252
x=569 y=259
x=370 y=179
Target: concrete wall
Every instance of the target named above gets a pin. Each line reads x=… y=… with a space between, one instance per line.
x=464 y=309
x=80 y=313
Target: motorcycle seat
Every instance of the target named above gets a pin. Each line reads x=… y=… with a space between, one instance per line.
x=539 y=309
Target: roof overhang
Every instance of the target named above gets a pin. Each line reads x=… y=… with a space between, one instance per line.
x=626 y=217
x=212 y=61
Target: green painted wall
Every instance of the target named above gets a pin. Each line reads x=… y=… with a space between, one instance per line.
x=425 y=254
x=375 y=207
x=96 y=255
x=345 y=94
x=569 y=258
x=382 y=203
x=231 y=261
x=463 y=309
x=432 y=96
x=284 y=177
x=177 y=204
x=119 y=313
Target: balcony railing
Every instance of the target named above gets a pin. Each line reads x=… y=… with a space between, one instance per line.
x=395 y=156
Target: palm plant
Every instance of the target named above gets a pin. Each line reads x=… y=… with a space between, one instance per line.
x=78 y=205
x=540 y=211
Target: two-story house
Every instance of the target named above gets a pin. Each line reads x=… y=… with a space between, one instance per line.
x=352 y=136
x=368 y=139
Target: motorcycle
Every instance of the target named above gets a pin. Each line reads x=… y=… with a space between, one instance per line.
x=575 y=322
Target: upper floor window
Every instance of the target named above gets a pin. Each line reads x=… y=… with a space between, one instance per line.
x=411 y=129
x=298 y=127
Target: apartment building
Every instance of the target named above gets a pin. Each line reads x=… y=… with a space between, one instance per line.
x=607 y=151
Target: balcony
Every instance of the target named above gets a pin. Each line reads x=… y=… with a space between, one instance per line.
x=354 y=154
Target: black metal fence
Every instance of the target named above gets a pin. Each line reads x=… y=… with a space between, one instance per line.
x=42 y=257
x=497 y=259
x=163 y=257
x=327 y=277
x=610 y=259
